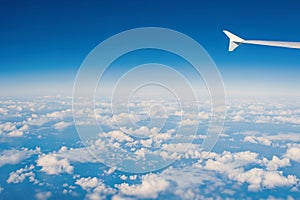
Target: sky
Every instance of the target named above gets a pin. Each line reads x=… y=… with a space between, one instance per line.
x=43 y=43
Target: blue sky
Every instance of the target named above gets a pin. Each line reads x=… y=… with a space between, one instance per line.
x=44 y=42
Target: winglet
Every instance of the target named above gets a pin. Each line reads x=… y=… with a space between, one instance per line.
x=234 y=41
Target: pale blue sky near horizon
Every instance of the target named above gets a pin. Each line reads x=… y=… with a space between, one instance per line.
x=43 y=43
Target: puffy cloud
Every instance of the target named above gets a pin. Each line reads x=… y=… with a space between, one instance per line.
x=150 y=187
x=43 y=195
x=40 y=120
x=276 y=163
x=257 y=140
x=59 y=162
x=14 y=156
x=76 y=155
x=20 y=175
x=293 y=152
x=95 y=187
x=59 y=114
x=258 y=178
x=232 y=164
x=119 y=136
x=132 y=177
x=52 y=164
x=10 y=129
x=123 y=177
x=100 y=192
x=141 y=131
x=87 y=183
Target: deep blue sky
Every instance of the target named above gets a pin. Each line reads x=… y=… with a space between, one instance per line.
x=44 y=42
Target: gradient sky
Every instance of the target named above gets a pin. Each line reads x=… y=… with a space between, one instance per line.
x=44 y=42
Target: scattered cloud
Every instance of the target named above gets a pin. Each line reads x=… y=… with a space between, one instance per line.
x=12 y=130
x=20 y=175
x=14 y=156
x=43 y=195
x=52 y=164
x=257 y=140
x=87 y=183
x=293 y=152
x=150 y=187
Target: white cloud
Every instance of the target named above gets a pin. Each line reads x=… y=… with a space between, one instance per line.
x=95 y=188
x=59 y=162
x=295 y=137
x=232 y=164
x=40 y=120
x=229 y=162
x=14 y=156
x=52 y=164
x=257 y=140
x=258 y=178
x=76 y=155
x=276 y=163
x=118 y=136
x=59 y=114
x=20 y=175
x=150 y=187
x=43 y=195
x=123 y=177
x=100 y=192
x=62 y=125
x=189 y=122
x=132 y=177
x=293 y=152
x=10 y=129
x=87 y=183
x=142 y=131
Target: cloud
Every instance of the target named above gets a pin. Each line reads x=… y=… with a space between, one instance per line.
x=11 y=130
x=119 y=136
x=95 y=188
x=258 y=178
x=59 y=162
x=14 y=156
x=189 y=122
x=257 y=140
x=150 y=187
x=87 y=183
x=295 y=137
x=62 y=125
x=52 y=164
x=76 y=155
x=3 y=111
x=100 y=192
x=293 y=152
x=40 y=120
x=232 y=164
x=43 y=195
x=20 y=175
x=59 y=114
x=276 y=163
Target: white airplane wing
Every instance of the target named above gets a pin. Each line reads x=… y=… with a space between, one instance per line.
x=235 y=41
